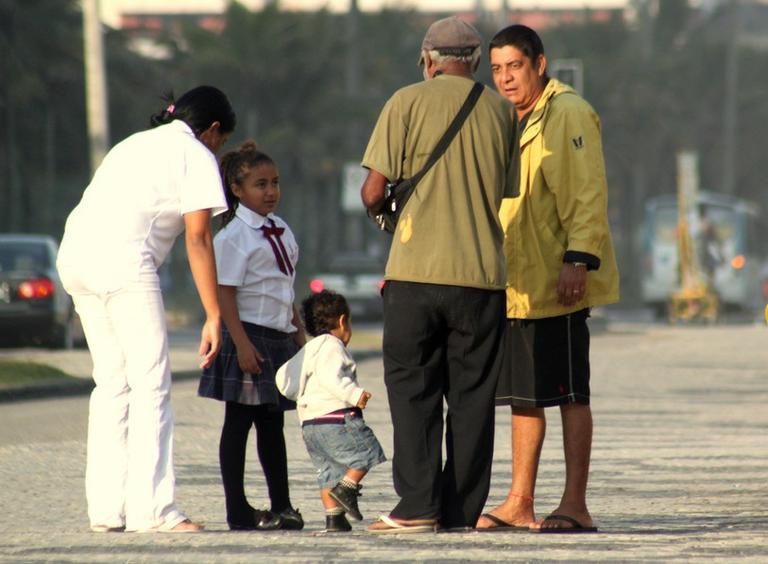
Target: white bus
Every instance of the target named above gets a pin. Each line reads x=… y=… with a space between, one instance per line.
x=731 y=251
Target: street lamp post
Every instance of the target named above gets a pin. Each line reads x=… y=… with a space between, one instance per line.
x=95 y=83
x=730 y=107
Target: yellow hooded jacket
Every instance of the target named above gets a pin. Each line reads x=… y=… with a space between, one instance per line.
x=562 y=211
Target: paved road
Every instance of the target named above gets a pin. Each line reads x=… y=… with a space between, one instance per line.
x=680 y=470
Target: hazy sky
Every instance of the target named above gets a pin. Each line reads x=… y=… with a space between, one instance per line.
x=110 y=9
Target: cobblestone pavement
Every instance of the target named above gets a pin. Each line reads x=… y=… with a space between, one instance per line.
x=679 y=472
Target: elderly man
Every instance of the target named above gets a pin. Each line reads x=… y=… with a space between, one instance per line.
x=445 y=279
x=560 y=263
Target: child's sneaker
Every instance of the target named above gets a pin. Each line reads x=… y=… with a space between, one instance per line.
x=337 y=524
x=346 y=496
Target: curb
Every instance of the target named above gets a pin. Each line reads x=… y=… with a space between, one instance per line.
x=49 y=389
x=72 y=387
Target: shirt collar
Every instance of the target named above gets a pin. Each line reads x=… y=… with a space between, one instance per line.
x=251 y=218
x=181 y=125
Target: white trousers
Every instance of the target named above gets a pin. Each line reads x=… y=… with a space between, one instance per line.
x=129 y=477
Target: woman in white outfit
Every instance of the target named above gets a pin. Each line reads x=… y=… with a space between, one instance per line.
x=149 y=188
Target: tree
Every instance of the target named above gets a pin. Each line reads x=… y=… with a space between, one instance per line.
x=656 y=84
x=40 y=111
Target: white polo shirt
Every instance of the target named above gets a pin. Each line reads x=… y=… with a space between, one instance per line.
x=245 y=259
x=132 y=211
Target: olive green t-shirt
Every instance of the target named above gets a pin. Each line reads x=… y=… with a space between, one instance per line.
x=449 y=231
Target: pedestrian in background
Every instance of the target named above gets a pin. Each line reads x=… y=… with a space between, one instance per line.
x=322 y=379
x=256 y=256
x=444 y=293
x=560 y=263
x=148 y=189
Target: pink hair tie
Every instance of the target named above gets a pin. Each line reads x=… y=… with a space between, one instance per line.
x=170 y=108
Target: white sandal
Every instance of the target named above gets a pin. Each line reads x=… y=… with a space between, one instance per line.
x=393 y=527
x=179 y=527
x=107 y=528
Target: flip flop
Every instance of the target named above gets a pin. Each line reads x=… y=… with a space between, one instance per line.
x=386 y=525
x=575 y=527
x=499 y=525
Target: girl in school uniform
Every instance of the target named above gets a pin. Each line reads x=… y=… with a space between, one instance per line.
x=256 y=256
x=148 y=189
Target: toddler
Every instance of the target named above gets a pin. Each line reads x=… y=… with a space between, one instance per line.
x=322 y=379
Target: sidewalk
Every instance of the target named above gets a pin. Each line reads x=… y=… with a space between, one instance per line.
x=679 y=472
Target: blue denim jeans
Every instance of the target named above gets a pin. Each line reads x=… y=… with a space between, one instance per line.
x=335 y=448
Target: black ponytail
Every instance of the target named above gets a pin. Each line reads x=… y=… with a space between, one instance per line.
x=198 y=108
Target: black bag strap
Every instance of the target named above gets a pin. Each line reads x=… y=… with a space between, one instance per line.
x=450 y=133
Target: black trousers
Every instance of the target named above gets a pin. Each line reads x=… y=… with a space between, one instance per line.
x=442 y=343
x=270 y=444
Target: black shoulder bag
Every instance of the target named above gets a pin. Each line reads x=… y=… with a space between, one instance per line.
x=396 y=194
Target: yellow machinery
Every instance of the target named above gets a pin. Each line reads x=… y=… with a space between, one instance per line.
x=695 y=299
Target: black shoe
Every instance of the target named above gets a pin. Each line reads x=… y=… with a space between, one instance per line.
x=347 y=496
x=261 y=521
x=337 y=524
x=269 y=521
x=290 y=519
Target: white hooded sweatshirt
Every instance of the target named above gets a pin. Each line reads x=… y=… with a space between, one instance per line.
x=321 y=378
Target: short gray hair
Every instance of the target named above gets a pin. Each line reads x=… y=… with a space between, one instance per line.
x=473 y=59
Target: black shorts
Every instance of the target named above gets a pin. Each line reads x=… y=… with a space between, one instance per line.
x=546 y=362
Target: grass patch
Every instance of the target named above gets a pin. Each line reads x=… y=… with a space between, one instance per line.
x=366 y=339
x=15 y=373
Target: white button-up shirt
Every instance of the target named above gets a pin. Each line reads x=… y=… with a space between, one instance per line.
x=132 y=211
x=245 y=259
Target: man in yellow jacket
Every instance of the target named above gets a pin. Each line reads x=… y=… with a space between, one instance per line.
x=560 y=263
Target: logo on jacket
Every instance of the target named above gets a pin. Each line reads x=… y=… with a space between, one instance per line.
x=578 y=142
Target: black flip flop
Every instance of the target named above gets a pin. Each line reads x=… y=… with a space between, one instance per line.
x=501 y=525
x=575 y=527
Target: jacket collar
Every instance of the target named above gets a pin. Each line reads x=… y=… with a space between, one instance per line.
x=553 y=88
x=251 y=218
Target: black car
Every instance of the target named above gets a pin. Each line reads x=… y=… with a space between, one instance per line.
x=34 y=308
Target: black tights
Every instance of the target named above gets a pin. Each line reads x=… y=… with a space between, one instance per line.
x=270 y=444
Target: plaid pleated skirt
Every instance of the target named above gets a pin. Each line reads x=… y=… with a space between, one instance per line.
x=225 y=381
